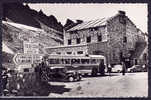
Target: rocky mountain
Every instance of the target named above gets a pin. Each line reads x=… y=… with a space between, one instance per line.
x=23 y=14
x=69 y=23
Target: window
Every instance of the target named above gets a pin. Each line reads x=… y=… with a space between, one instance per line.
x=72 y=32
x=78 y=40
x=93 y=61
x=85 y=61
x=75 y=61
x=91 y=29
x=99 y=37
x=98 y=52
x=69 y=53
x=67 y=61
x=80 y=52
x=122 y=20
x=88 y=39
x=58 y=53
x=26 y=69
x=125 y=39
x=96 y=28
x=69 y=42
x=54 y=61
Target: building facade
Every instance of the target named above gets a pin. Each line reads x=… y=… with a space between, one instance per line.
x=116 y=38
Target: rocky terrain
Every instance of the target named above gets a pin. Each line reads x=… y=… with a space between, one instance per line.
x=23 y=14
x=20 y=23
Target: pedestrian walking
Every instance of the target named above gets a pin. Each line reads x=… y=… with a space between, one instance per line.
x=4 y=79
x=109 y=69
x=102 y=68
x=123 y=68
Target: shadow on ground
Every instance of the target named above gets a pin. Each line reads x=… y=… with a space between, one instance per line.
x=112 y=74
x=47 y=88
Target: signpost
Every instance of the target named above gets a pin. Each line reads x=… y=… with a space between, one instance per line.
x=31 y=47
x=24 y=58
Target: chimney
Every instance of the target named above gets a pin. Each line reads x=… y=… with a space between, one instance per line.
x=120 y=12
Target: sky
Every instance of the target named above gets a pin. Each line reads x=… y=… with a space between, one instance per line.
x=136 y=12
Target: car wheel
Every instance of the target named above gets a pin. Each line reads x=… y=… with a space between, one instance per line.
x=71 y=79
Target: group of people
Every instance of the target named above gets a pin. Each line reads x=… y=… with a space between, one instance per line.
x=8 y=81
x=41 y=70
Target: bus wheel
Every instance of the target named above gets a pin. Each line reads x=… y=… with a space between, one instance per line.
x=71 y=79
x=94 y=72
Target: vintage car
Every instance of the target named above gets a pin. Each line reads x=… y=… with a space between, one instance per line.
x=137 y=68
x=117 y=69
x=58 y=73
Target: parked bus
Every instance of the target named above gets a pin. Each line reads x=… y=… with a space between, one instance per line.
x=91 y=64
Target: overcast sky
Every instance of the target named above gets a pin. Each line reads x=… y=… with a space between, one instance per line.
x=136 y=12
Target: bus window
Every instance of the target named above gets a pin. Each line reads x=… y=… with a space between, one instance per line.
x=75 y=61
x=63 y=61
x=54 y=61
x=93 y=61
x=67 y=61
x=57 y=61
x=51 y=61
x=101 y=61
x=85 y=61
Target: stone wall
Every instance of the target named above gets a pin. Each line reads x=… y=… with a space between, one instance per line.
x=131 y=34
x=116 y=32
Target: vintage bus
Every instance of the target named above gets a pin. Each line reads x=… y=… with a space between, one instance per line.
x=91 y=64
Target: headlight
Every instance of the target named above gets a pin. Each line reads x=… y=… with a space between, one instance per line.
x=21 y=76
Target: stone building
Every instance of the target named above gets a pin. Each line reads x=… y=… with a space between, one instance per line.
x=116 y=37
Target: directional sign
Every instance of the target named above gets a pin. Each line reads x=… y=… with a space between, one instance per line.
x=23 y=58
x=31 y=47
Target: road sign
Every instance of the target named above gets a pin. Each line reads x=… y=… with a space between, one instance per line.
x=24 y=58
x=31 y=47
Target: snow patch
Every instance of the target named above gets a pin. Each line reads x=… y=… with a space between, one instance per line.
x=6 y=49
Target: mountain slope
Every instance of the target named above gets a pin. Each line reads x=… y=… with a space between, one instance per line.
x=19 y=13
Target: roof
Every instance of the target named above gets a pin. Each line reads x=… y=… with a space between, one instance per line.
x=76 y=56
x=89 y=24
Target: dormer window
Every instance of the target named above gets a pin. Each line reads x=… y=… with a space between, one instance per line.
x=88 y=39
x=91 y=29
x=122 y=19
x=71 y=32
x=99 y=38
x=125 y=39
x=96 y=28
x=69 y=42
x=78 y=40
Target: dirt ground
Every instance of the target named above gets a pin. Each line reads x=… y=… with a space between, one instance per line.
x=116 y=85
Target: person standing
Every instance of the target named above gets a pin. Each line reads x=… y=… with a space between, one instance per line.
x=102 y=67
x=123 y=68
x=4 y=79
x=109 y=69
